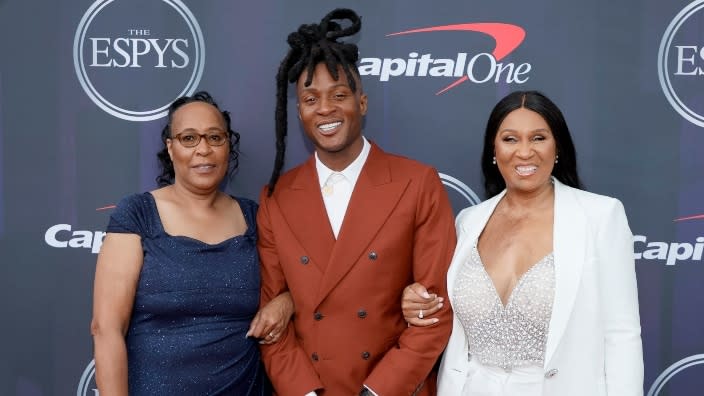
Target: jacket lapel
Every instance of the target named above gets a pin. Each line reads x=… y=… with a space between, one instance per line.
x=303 y=208
x=569 y=245
x=467 y=233
x=374 y=198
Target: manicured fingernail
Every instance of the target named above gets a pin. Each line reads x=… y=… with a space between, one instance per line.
x=435 y=320
x=426 y=295
x=440 y=305
x=441 y=299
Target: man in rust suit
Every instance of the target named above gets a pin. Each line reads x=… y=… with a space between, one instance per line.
x=345 y=232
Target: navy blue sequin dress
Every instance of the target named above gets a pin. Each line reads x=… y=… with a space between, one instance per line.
x=192 y=309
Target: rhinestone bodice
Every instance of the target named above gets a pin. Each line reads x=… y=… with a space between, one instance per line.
x=511 y=335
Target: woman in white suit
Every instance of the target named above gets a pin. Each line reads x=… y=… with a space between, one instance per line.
x=542 y=281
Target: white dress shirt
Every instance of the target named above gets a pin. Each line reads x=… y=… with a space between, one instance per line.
x=337 y=187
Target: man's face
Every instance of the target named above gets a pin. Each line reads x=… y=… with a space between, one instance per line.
x=331 y=115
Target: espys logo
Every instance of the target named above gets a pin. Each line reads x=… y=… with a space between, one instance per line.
x=87 y=385
x=461 y=188
x=681 y=63
x=666 y=376
x=134 y=57
x=479 y=68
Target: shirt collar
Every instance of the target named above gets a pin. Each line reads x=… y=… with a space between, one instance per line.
x=352 y=171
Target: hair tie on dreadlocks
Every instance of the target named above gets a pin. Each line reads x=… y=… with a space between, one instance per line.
x=312 y=44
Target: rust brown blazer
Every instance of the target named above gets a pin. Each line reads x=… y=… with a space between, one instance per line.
x=348 y=328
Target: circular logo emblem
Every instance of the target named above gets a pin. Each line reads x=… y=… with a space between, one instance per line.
x=134 y=57
x=87 y=385
x=671 y=371
x=457 y=186
x=681 y=63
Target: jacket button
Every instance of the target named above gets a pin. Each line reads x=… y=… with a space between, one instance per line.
x=372 y=256
x=304 y=260
x=362 y=313
x=317 y=316
x=365 y=355
x=314 y=356
x=551 y=373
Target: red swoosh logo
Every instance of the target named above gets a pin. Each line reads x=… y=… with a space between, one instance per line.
x=507 y=37
x=695 y=217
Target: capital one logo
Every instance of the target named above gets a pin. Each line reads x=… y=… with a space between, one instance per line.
x=63 y=236
x=671 y=253
x=134 y=57
x=478 y=68
x=681 y=63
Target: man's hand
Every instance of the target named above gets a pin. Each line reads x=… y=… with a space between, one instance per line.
x=272 y=319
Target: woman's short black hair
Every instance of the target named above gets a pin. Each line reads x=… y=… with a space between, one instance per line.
x=565 y=169
x=167 y=166
x=312 y=44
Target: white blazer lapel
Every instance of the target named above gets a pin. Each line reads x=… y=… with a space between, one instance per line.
x=468 y=229
x=455 y=363
x=569 y=245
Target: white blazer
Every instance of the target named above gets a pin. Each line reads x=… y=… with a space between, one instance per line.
x=594 y=346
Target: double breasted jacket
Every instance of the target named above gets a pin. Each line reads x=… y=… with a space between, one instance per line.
x=349 y=329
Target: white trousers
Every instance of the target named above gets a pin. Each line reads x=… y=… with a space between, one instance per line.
x=494 y=381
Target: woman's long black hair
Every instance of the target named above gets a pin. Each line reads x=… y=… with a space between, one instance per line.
x=565 y=169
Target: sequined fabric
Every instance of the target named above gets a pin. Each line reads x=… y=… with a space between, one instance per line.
x=510 y=336
x=192 y=308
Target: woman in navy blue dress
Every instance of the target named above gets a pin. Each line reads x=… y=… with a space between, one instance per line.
x=177 y=278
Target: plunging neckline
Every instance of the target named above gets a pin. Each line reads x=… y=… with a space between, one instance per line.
x=518 y=284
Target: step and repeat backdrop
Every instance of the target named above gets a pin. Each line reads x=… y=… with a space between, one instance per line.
x=85 y=84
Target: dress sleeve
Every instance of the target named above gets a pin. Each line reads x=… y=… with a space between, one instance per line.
x=130 y=216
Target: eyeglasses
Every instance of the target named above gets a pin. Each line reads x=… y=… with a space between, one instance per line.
x=190 y=139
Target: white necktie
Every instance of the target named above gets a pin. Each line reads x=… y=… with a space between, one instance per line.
x=329 y=186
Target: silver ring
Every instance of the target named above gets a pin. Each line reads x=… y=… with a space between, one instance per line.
x=420 y=314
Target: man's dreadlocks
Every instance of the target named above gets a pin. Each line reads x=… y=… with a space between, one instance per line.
x=312 y=44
